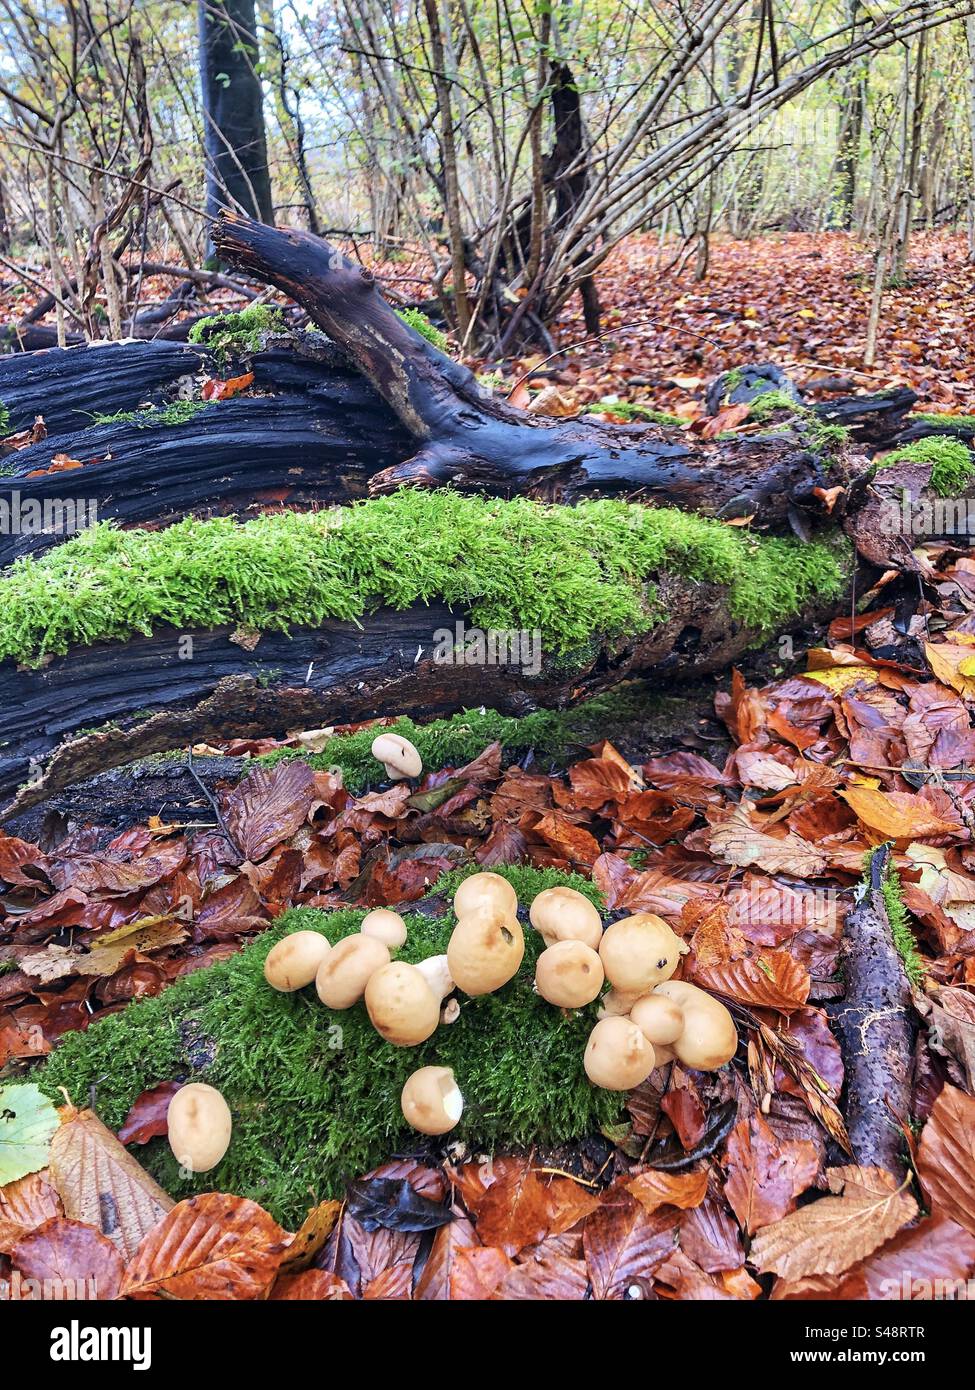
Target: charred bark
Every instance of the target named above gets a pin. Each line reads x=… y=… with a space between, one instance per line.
x=875 y=1031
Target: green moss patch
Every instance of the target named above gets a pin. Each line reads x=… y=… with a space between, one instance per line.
x=821 y=436
x=951 y=462
x=461 y=738
x=176 y=413
x=237 y=335
x=571 y=572
x=315 y=1093
x=634 y=410
x=418 y=321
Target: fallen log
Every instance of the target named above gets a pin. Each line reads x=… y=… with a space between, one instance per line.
x=467 y=438
x=874 y=1028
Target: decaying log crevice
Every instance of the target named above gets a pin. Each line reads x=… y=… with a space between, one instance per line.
x=466 y=438
x=875 y=1031
x=337 y=673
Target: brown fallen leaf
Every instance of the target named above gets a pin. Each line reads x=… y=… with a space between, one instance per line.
x=108 y=953
x=521 y=1210
x=623 y=1242
x=320 y=1285
x=102 y=1185
x=147 y=1118
x=213 y=1246
x=655 y=1189
x=25 y=1205
x=946 y=1160
x=436 y=1281
x=832 y=1234
x=269 y=805
x=738 y=840
x=769 y=980
x=555 y=1278
x=766 y=1176
x=69 y=1260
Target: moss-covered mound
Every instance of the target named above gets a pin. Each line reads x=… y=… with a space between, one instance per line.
x=315 y=1093
x=951 y=462
x=571 y=572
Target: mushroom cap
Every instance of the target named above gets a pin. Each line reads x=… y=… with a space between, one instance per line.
x=618 y=1056
x=400 y=1004
x=344 y=973
x=398 y=755
x=436 y=971
x=386 y=926
x=431 y=1100
x=295 y=960
x=660 y=1020
x=485 y=889
x=485 y=950
x=562 y=914
x=639 y=952
x=199 y=1126
x=569 y=974
x=709 y=1038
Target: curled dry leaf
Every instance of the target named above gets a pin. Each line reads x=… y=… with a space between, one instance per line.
x=269 y=806
x=653 y=1189
x=213 y=1246
x=737 y=840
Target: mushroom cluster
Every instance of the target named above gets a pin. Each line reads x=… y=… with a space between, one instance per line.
x=645 y=1019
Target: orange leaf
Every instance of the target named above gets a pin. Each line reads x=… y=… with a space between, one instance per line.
x=946 y=1159
x=213 y=1246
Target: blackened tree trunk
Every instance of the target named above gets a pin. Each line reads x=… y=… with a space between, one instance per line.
x=235 y=139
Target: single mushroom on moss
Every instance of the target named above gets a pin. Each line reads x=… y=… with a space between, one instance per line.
x=709 y=1037
x=569 y=974
x=401 y=1006
x=618 y=1056
x=431 y=1100
x=485 y=950
x=346 y=970
x=199 y=1126
x=295 y=960
x=485 y=890
x=386 y=926
x=562 y=914
x=398 y=755
x=639 y=952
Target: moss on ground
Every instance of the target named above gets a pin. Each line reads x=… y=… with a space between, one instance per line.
x=634 y=410
x=457 y=740
x=315 y=1093
x=573 y=573
x=951 y=462
x=958 y=422
x=237 y=335
x=418 y=321
x=4 y=419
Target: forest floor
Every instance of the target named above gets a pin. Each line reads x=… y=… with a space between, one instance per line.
x=747 y=831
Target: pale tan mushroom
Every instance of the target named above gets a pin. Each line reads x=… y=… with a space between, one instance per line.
x=569 y=974
x=709 y=1038
x=386 y=926
x=640 y=952
x=618 y=1056
x=562 y=914
x=659 y=1019
x=398 y=755
x=344 y=973
x=199 y=1126
x=431 y=1100
x=485 y=890
x=401 y=1006
x=485 y=950
x=616 y=1004
x=295 y=960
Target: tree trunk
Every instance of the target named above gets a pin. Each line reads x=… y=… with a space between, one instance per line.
x=234 y=137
